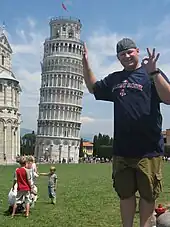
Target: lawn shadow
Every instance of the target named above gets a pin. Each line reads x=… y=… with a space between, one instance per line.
x=8 y=212
x=42 y=203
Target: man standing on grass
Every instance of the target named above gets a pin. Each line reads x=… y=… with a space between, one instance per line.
x=137 y=92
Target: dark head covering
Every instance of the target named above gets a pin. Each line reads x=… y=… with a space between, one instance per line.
x=125 y=44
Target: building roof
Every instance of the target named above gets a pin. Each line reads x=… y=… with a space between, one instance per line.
x=168 y=132
x=164 y=133
x=87 y=144
x=4 y=42
x=65 y=20
x=4 y=74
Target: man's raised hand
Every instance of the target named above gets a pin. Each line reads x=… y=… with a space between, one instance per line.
x=150 y=62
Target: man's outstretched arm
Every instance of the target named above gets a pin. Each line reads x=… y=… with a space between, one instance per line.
x=162 y=87
x=89 y=77
x=160 y=80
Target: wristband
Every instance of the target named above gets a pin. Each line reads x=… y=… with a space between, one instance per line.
x=154 y=72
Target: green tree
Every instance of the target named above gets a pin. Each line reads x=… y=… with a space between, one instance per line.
x=167 y=151
x=111 y=141
x=95 y=145
x=81 y=153
x=105 y=140
x=105 y=151
x=102 y=146
x=99 y=143
x=28 y=144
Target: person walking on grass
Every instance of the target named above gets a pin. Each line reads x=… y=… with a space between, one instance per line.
x=52 y=183
x=137 y=92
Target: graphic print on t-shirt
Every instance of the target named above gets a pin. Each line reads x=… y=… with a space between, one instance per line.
x=125 y=85
x=137 y=115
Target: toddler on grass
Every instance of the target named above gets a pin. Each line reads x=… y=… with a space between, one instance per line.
x=52 y=183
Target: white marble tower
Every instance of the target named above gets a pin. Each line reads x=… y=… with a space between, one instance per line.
x=9 y=105
x=61 y=92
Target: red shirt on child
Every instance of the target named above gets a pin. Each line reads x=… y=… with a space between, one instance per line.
x=22 y=177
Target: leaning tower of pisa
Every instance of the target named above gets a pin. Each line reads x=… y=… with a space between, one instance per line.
x=58 y=131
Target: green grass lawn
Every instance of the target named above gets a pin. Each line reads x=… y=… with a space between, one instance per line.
x=84 y=198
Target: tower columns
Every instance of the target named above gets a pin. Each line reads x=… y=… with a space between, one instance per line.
x=62 y=77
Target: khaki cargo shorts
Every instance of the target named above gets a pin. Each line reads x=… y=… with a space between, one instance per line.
x=143 y=175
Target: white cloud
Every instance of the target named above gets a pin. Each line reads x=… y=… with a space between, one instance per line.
x=22 y=35
x=31 y=22
x=102 y=55
x=85 y=120
x=163 y=31
x=29 y=84
x=104 y=126
x=31 y=43
x=104 y=45
x=27 y=54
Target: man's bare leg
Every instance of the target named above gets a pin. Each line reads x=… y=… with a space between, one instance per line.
x=146 y=211
x=128 y=209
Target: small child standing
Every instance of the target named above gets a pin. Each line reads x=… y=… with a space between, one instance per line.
x=31 y=166
x=23 y=180
x=52 y=183
x=30 y=161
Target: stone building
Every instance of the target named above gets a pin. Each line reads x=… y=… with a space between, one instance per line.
x=166 y=135
x=9 y=105
x=58 y=134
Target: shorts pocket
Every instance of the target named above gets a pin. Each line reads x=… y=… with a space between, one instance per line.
x=159 y=176
x=157 y=187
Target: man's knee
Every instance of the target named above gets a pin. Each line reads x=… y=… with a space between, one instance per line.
x=150 y=191
x=125 y=183
x=149 y=179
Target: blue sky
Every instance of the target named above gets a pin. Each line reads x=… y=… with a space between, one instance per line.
x=104 y=23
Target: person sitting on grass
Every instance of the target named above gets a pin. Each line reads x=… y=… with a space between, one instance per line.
x=52 y=183
x=23 y=180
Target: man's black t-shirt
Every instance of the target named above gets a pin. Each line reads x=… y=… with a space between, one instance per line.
x=137 y=116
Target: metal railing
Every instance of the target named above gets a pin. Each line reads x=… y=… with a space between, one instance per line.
x=64 y=38
x=71 y=19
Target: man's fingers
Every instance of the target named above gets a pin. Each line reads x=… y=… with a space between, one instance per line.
x=85 y=47
x=153 y=53
x=145 y=60
x=149 y=53
x=157 y=57
x=85 y=54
